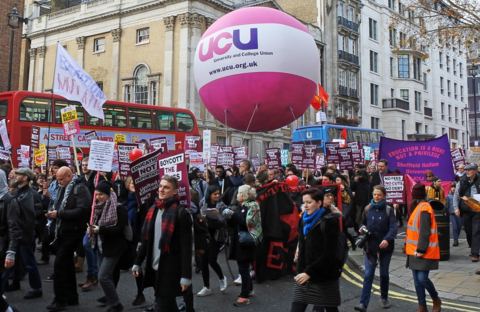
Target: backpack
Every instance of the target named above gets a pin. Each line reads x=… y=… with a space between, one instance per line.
x=254 y=222
x=341 y=251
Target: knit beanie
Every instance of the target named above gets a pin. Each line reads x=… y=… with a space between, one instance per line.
x=418 y=191
x=103 y=187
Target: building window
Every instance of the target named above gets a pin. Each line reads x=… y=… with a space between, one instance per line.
x=418 y=101
x=425 y=85
x=127 y=96
x=374 y=94
x=418 y=127
x=404 y=94
x=403 y=40
x=374 y=61
x=99 y=45
x=392 y=93
x=372 y=29
x=340 y=9
x=392 y=36
x=374 y=122
x=391 y=4
x=461 y=93
x=221 y=140
x=450 y=113
x=462 y=117
x=403 y=66
x=440 y=57
x=403 y=129
x=141 y=84
x=143 y=35
x=454 y=61
x=453 y=134
x=442 y=110
x=426 y=129
x=460 y=69
x=392 y=64
x=153 y=92
x=441 y=85
x=417 y=68
x=448 y=88
x=456 y=115
x=455 y=95
x=448 y=63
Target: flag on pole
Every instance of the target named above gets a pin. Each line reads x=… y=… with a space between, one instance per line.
x=321 y=99
x=74 y=84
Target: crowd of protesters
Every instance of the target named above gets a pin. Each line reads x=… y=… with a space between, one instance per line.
x=92 y=216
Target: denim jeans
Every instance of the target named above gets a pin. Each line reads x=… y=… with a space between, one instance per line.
x=370 y=266
x=456 y=225
x=92 y=258
x=422 y=282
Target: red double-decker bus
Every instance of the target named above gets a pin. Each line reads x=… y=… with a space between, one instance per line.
x=24 y=109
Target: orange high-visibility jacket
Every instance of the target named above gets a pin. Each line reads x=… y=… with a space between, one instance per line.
x=413 y=233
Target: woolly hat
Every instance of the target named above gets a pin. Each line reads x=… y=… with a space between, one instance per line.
x=103 y=187
x=418 y=191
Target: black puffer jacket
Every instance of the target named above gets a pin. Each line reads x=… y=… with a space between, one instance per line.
x=21 y=218
x=316 y=250
x=76 y=212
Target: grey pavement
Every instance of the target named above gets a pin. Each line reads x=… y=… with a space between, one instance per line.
x=455 y=279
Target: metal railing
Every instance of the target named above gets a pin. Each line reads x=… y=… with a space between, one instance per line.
x=396 y=103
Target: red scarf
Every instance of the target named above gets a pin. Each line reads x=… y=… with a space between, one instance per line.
x=169 y=216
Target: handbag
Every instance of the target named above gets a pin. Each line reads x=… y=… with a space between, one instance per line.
x=245 y=239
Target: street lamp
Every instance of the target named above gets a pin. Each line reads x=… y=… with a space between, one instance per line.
x=473 y=71
x=14 y=22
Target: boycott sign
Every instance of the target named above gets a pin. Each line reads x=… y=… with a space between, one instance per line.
x=394 y=186
x=273 y=158
x=35 y=141
x=173 y=164
x=101 y=156
x=123 y=158
x=146 y=176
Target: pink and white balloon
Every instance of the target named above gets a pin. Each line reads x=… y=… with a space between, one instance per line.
x=256 y=69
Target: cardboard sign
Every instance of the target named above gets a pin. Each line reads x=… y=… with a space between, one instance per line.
x=4 y=155
x=297 y=155
x=284 y=156
x=101 y=156
x=159 y=143
x=63 y=152
x=173 y=164
x=458 y=157
x=207 y=144
x=332 y=156
x=196 y=160
x=226 y=159
x=124 y=158
x=394 y=185
x=4 y=135
x=40 y=157
x=120 y=138
x=309 y=156
x=146 y=177
x=192 y=144
x=91 y=135
x=241 y=153
x=345 y=156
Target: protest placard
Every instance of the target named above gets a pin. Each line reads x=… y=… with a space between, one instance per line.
x=123 y=158
x=192 y=144
x=196 y=160
x=226 y=159
x=332 y=153
x=284 y=156
x=309 y=151
x=70 y=120
x=39 y=157
x=159 y=143
x=120 y=138
x=91 y=135
x=241 y=153
x=394 y=186
x=4 y=135
x=101 y=155
x=173 y=164
x=35 y=140
x=146 y=177
x=458 y=157
x=63 y=152
x=345 y=157
x=297 y=155
x=273 y=158
x=207 y=144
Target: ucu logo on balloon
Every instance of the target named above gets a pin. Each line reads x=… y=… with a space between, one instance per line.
x=221 y=43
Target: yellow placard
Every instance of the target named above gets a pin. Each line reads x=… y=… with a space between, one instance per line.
x=43 y=147
x=39 y=155
x=120 y=138
x=69 y=114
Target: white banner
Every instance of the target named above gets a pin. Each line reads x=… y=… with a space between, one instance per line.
x=101 y=156
x=207 y=144
x=4 y=135
x=73 y=83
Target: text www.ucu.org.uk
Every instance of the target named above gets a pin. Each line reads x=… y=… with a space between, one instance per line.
x=243 y=65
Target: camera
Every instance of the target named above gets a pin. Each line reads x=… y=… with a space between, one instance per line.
x=362 y=239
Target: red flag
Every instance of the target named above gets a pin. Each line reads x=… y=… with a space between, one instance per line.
x=343 y=134
x=323 y=95
x=315 y=102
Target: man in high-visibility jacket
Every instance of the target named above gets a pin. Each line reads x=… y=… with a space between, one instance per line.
x=422 y=249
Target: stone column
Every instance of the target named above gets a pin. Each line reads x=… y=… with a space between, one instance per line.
x=209 y=120
x=81 y=50
x=169 y=23
x=184 y=60
x=40 y=74
x=197 y=22
x=114 y=77
x=31 y=69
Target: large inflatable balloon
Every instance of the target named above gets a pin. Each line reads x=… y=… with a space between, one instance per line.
x=256 y=69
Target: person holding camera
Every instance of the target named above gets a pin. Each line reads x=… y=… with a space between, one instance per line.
x=378 y=240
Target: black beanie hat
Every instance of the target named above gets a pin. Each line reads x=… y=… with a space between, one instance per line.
x=418 y=191
x=103 y=187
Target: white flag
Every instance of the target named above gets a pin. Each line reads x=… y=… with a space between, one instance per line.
x=73 y=83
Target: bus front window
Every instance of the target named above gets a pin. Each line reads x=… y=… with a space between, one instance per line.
x=35 y=109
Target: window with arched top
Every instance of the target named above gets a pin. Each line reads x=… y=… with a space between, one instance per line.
x=141 y=85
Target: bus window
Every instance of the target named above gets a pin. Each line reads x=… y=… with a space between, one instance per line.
x=140 y=118
x=184 y=122
x=35 y=109
x=3 y=108
x=61 y=104
x=114 y=116
x=357 y=136
x=165 y=121
x=93 y=121
x=333 y=133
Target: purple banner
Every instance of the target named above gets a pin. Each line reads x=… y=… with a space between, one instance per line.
x=273 y=158
x=416 y=157
x=145 y=174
